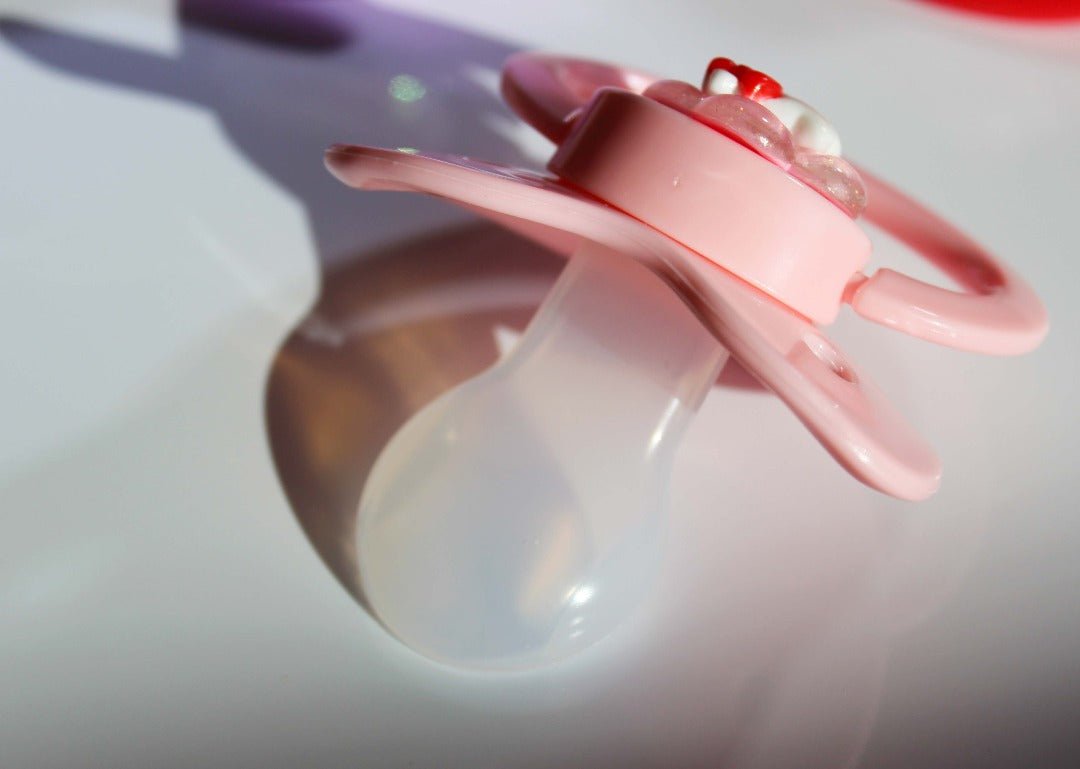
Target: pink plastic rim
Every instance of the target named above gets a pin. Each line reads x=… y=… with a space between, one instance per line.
x=716 y=196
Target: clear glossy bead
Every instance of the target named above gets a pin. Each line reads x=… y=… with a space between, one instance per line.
x=750 y=123
x=833 y=177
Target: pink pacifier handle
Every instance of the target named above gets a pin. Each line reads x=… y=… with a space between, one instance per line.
x=996 y=312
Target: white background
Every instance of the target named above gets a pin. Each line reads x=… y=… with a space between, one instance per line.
x=165 y=227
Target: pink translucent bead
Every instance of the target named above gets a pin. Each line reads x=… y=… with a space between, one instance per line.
x=750 y=123
x=675 y=94
x=833 y=177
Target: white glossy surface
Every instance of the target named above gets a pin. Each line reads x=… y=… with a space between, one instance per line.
x=192 y=390
x=520 y=517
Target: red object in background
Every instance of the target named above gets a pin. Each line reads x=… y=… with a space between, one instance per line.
x=1031 y=10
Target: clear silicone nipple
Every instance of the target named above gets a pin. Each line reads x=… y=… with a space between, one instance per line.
x=518 y=518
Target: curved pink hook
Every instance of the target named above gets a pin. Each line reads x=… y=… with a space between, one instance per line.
x=998 y=313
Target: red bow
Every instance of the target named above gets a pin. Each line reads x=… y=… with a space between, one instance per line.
x=752 y=84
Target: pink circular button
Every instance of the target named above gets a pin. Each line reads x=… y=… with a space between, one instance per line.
x=715 y=196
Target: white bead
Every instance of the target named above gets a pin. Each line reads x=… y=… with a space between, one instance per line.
x=809 y=128
x=722 y=81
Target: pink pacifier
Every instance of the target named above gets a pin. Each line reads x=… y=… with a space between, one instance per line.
x=516 y=519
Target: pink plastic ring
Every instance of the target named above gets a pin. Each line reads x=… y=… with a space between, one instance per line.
x=995 y=313
x=998 y=313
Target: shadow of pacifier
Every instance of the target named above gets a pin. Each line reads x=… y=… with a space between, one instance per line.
x=518 y=518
